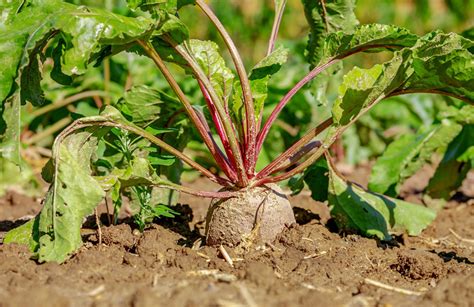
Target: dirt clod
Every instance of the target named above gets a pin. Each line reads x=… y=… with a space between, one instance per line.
x=416 y=264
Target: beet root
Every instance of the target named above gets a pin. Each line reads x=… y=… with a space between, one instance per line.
x=262 y=211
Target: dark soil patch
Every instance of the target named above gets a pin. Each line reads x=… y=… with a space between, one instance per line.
x=308 y=265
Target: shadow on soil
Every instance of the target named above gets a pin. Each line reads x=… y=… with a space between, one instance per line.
x=449 y=256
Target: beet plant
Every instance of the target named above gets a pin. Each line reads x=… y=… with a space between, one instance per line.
x=146 y=126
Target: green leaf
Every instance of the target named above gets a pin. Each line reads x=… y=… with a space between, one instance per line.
x=166 y=168
x=55 y=233
x=143 y=203
x=57 y=73
x=362 y=88
x=85 y=32
x=164 y=160
x=437 y=63
x=324 y=18
x=173 y=27
x=10 y=126
x=206 y=54
x=16 y=44
x=143 y=105
x=317 y=179
x=370 y=214
x=359 y=85
x=270 y=64
x=170 y=6
x=296 y=184
x=405 y=156
x=468 y=155
x=469 y=33
x=69 y=199
x=370 y=37
x=463 y=115
x=453 y=168
x=26 y=234
x=92 y=30
x=442 y=64
x=170 y=30
x=259 y=77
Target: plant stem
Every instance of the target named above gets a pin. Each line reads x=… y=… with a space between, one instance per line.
x=155 y=140
x=251 y=128
x=284 y=101
x=84 y=122
x=205 y=194
x=432 y=91
x=187 y=105
x=306 y=150
x=80 y=124
x=290 y=152
x=310 y=76
x=228 y=169
x=68 y=100
x=219 y=128
x=276 y=26
x=300 y=168
x=328 y=141
x=225 y=119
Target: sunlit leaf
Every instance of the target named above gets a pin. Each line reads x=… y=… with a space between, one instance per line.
x=357 y=210
x=370 y=37
x=324 y=18
x=85 y=34
x=143 y=105
x=206 y=53
x=259 y=78
x=410 y=70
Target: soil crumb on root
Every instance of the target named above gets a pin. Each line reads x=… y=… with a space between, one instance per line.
x=256 y=214
x=306 y=265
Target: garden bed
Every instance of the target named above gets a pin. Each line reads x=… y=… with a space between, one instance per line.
x=310 y=264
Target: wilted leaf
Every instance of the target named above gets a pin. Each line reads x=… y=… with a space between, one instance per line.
x=69 y=200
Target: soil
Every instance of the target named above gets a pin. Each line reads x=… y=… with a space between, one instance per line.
x=309 y=264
